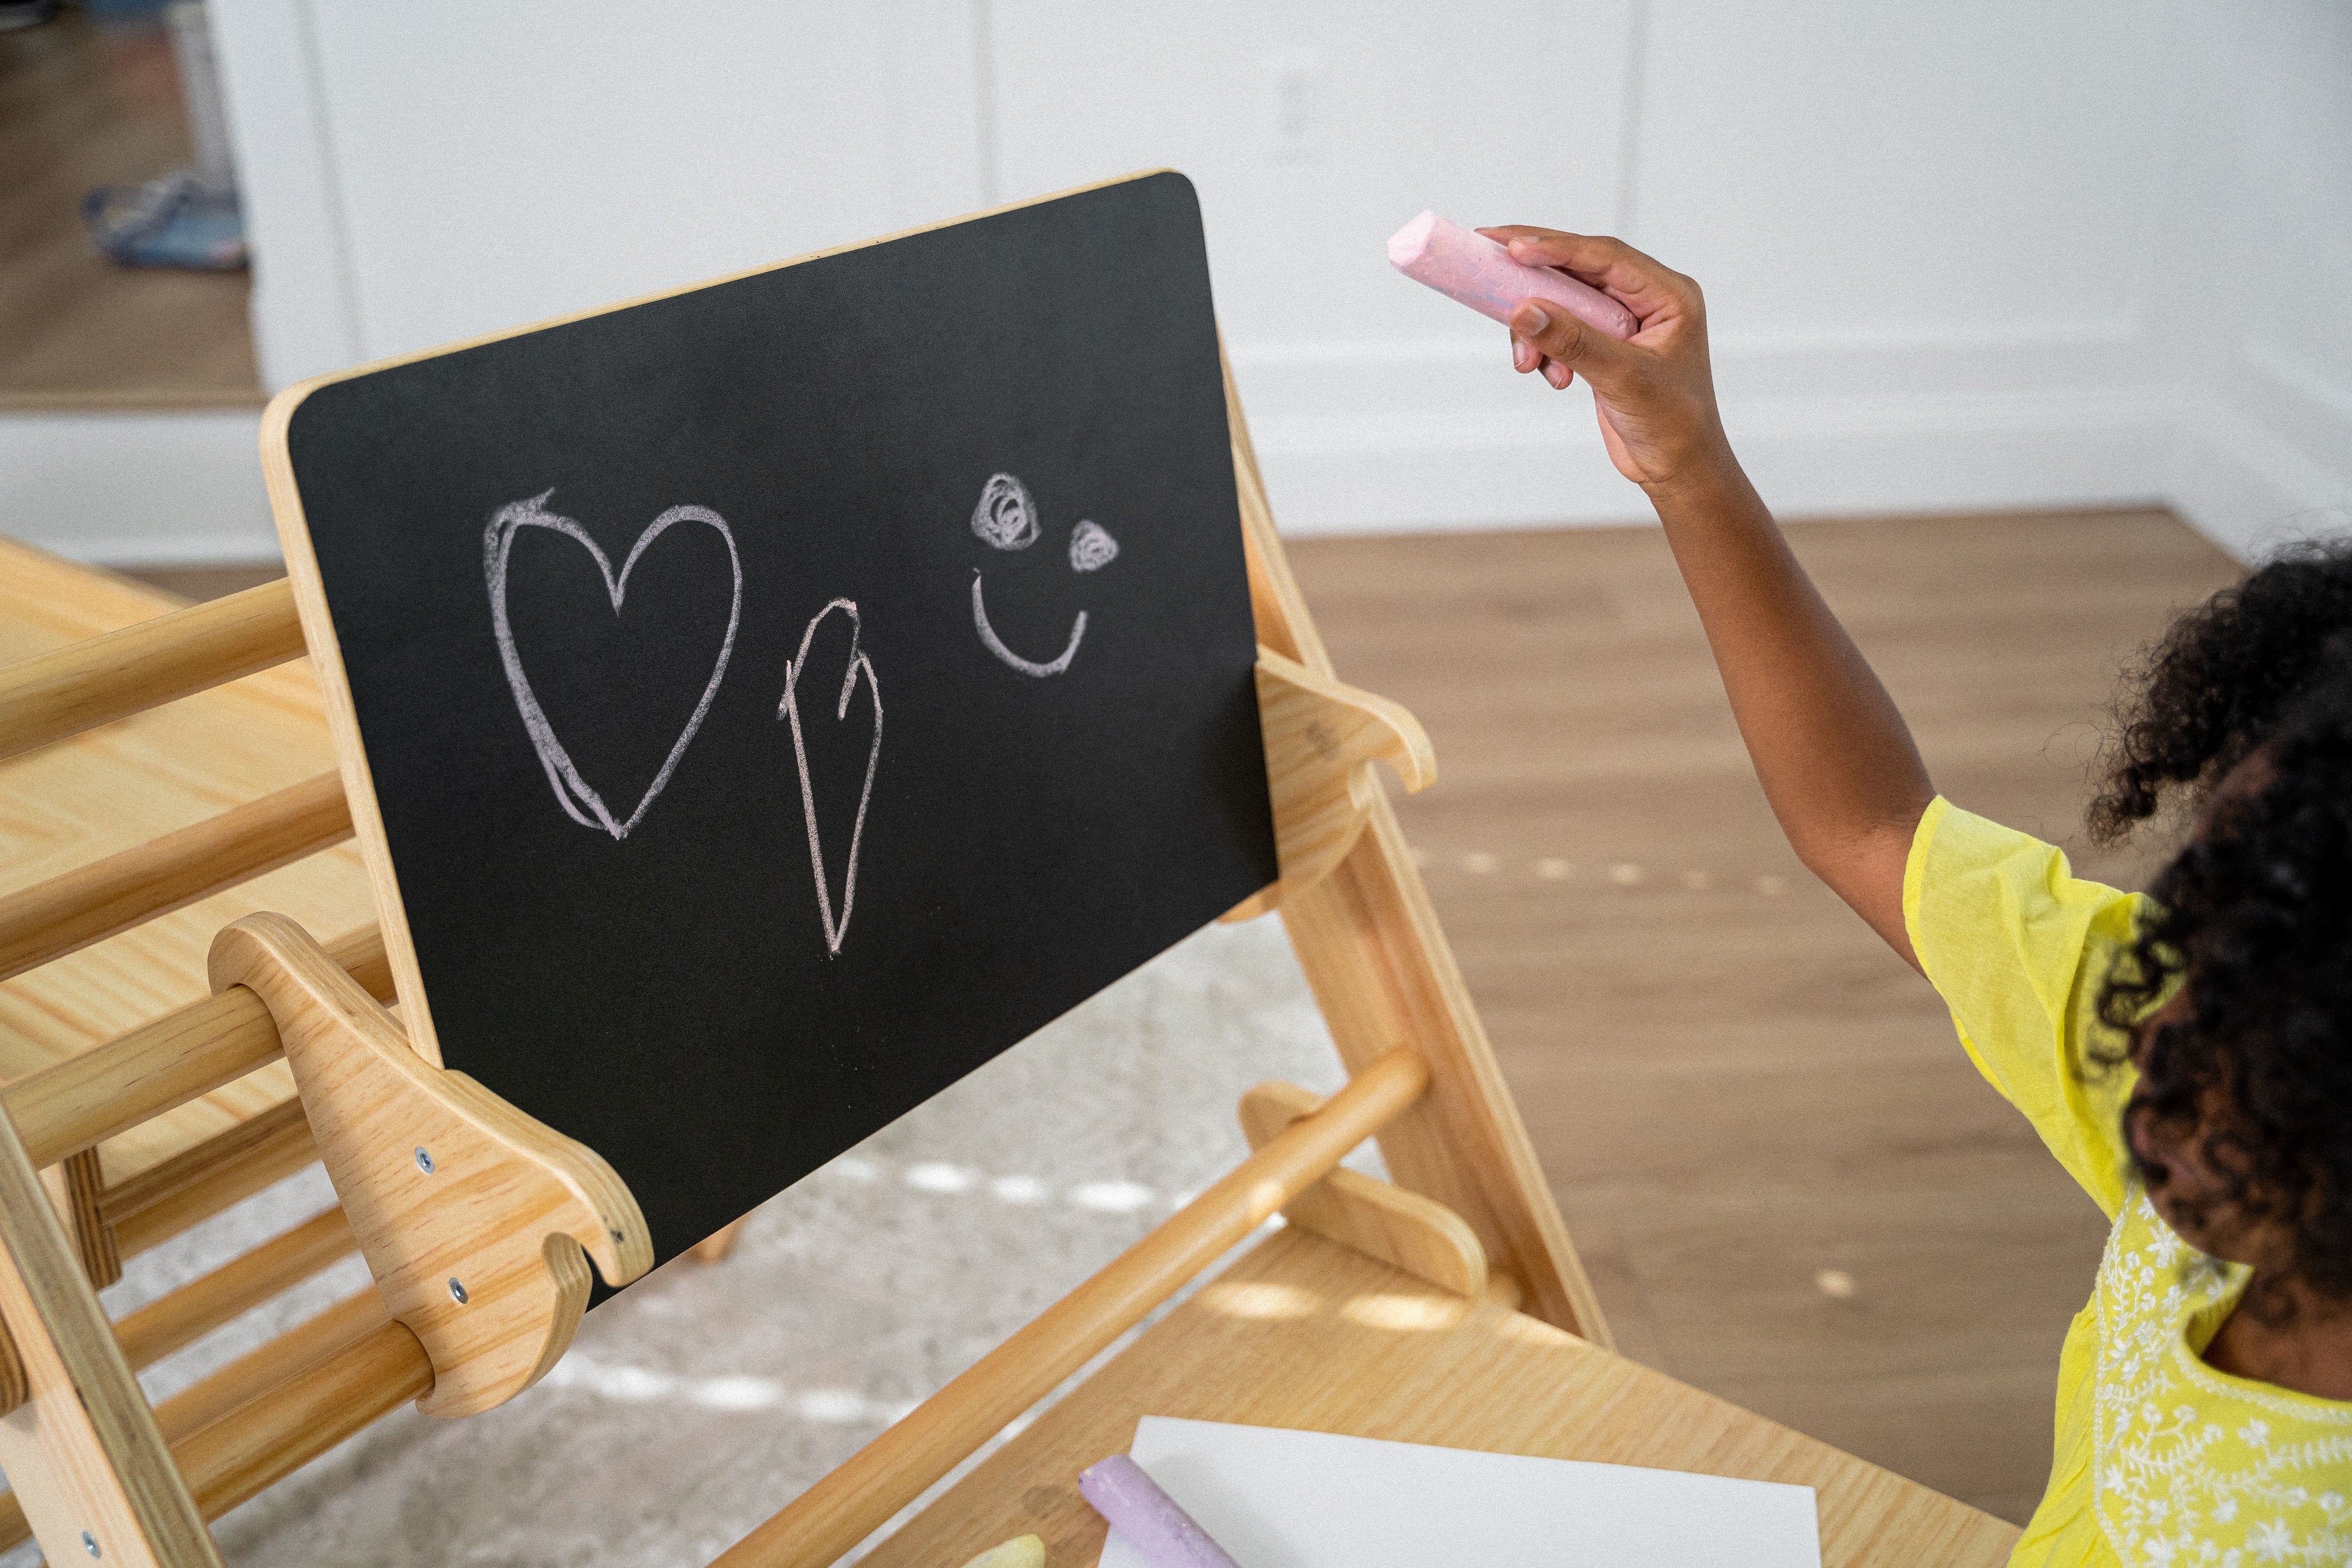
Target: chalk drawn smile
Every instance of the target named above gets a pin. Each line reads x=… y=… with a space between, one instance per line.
x=574 y=793
x=1006 y=518
x=790 y=708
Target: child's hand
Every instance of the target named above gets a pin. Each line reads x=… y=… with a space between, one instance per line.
x=1654 y=392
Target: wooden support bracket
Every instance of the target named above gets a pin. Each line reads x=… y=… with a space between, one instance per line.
x=1403 y=1229
x=472 y=1216
x=1322 y=737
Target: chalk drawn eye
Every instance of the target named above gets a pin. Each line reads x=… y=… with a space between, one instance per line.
x=1005 y=516
x=1091 y=548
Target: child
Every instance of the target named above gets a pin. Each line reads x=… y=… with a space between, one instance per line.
x=2187 y=1054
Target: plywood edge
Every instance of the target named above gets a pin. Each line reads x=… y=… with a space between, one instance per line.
x=342 y=717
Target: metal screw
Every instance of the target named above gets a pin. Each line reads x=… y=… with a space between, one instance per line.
x=423 y=1159
x=457 y=1291
x=89 y=1545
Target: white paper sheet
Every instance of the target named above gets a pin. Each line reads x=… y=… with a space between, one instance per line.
x=1310 y=1499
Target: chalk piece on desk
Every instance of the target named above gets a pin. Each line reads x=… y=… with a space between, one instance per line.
x=1479 y=273
x=1021 y=1552
x=1147 y=1517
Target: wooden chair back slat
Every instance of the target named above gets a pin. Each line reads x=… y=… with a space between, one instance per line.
x=79 y=686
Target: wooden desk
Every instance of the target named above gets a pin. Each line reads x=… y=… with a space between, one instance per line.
x=119 y=785
x=1301 y=1333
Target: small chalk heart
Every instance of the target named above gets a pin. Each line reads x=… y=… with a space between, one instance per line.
x=836 y=930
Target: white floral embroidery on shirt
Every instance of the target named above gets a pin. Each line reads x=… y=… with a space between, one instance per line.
x=2187 y=1471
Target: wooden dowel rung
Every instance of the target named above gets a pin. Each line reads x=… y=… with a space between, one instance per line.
x=338 y=1328
x=860 y=1496
x=263 y=1368
x=159 y=1204
x=95 y=1094
x=197 y=1308
x=300 y=1419
x=92 y=902
x=83 y=685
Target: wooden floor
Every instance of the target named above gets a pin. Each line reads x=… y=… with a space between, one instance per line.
x=1790 y=1187
x=84 y=105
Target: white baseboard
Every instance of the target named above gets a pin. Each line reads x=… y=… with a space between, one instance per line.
x=1810 y=455
x=1423 y=444
x=162 y=488
x=2251 y=489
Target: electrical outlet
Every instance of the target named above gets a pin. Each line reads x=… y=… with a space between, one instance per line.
x=1290 y=87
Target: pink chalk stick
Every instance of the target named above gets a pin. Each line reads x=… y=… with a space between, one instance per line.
x=1478 y=272
x=1122 y=1493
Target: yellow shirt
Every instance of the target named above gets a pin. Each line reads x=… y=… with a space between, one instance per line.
x=2159 y=1459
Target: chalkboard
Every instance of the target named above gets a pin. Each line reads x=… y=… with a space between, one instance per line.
x=781 y=697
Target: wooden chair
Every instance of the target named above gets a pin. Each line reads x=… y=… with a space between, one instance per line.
x=1445 y=1305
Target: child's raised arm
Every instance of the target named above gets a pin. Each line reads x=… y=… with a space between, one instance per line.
x=1835 y=756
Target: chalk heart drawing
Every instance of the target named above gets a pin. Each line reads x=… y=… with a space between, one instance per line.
x=836 y=930
x=1006 y=518
x=574 y=793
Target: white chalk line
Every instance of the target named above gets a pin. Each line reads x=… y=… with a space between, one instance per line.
x=1005 y=517
x=995 y=643
x=572 y=791
x=1091 y=547
x=834 y=931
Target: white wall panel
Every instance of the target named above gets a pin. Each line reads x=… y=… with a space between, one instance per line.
x=1847 y=169
x=1312 y=130
x=504 y=162
x=2254 y=310
x=1999 y=253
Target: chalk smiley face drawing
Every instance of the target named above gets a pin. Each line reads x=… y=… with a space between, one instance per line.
x=1006 y=518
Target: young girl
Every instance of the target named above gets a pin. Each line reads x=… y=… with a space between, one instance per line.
x=2187 y=1054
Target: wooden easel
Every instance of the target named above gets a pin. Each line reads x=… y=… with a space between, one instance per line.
x=1444 y=1306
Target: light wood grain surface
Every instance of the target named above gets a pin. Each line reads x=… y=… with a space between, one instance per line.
x=112 y=789
x=83 y=1453
x=1744 y=1101
x=1304 y=1334
x=476 y=1222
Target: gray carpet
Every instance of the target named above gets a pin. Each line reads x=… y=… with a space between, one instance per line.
x=703 y=1399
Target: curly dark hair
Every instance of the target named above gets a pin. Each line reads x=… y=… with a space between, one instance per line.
x=2253 y=917
x=2221 y=678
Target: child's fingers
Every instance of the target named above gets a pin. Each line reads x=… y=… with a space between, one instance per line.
x=1524 y=357
x=1558 y=374
x=1645 y=285
x=1557 y=336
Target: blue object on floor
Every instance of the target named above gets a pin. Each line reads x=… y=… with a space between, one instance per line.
x=174 y=221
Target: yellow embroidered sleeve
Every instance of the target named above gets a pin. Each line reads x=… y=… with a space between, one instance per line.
x=2017 y=946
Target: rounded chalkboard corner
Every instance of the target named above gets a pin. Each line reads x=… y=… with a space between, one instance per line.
x=282 y=420
x=1173 y=181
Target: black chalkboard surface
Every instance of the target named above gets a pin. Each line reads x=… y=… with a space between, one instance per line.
x=781 y=697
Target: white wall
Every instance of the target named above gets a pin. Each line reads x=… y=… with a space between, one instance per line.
x=2008 y=253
